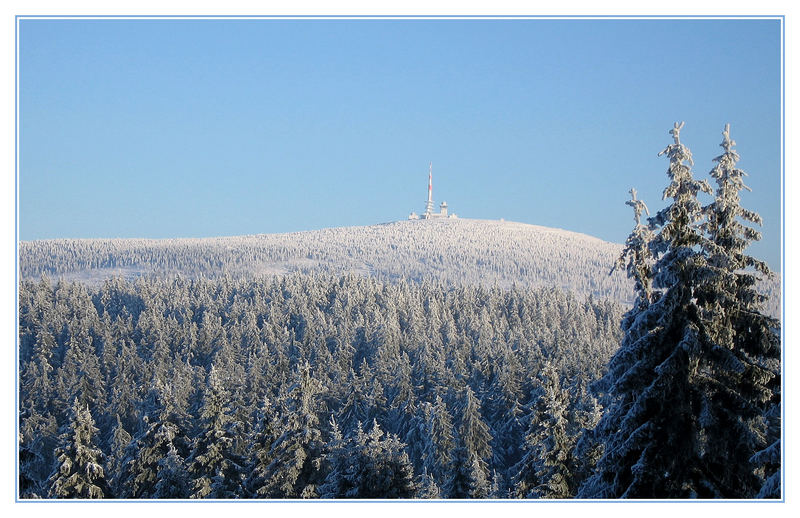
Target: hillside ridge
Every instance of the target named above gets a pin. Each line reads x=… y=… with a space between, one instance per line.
x=448 y=251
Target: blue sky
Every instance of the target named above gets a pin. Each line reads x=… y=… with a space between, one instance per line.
x=192 y=128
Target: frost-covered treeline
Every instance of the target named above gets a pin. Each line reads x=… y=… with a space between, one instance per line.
x=454 y=252
x=307 y=386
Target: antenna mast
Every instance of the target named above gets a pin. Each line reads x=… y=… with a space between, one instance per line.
x=429 y=205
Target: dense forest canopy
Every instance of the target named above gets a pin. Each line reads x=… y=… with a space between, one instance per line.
x=239 y=388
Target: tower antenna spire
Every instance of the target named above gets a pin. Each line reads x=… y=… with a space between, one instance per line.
x=429 y=205
x=429 y=214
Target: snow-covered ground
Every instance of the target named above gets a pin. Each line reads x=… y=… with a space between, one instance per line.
x=451 y=251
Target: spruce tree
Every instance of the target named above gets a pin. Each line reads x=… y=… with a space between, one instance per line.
x=26 y=456
x=80 y=472
x=469 y=470
x=38 y=439
x=430 y=439
x=427 y=488
x=585 y=413
x=769 y=462
x=217 y=470
x=36 y=379
x=649 y=430
x=368 y=465
x=636 y=257
x=174 y=480
x=142 y=468
x=265 y=432
x=544 y=471
x=738 y=375
x=295 y=469
x=80 y=376
x=120 y=440
x=337 y=459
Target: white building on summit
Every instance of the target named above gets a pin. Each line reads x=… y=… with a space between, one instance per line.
x=429 y=214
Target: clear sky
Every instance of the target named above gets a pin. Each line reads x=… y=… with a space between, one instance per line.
x=193 y=128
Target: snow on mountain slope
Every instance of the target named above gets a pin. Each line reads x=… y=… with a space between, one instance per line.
x=452 y=251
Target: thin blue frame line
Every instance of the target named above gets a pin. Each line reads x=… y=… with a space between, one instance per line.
x=16 y=255
x=783 y=257
x=403 y=16
x=782 y=18
x=398 y=501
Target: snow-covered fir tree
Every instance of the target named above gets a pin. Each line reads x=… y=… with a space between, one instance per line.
x=427 y=488
x=218 y=472
x=265 y=432
x=118 y=445
x=769 y=462
x=337 y=461
x=79 y=472
x=545 y=470
x=368 y=465
x=38 y=439
x=79 y=376
x=585 y=414
x=295 y=469
x=36 y=379
x=174 y=480
x=430 y=439
x=469 y=467
x=636 y=257
x=739 y=373
x=691 y=389
x=649 y=430
x=142 y=469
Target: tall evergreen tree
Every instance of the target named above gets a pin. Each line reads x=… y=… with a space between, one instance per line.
x=585 y=413
x=174 y=480
x=636 y=257
x=142 y=469
x=38 y=439
x=427 y=487
x=368 y=465
x=79 y=376
x=649 y=429
x=769 y=462
x=545 y=471
x=217 y=470
x=119 y=442
x=80 y=472
x=265 y=432
x=469 y=469
x=36 y=379
x=295 y=470
x=739 y=374
x=430 y=440
x=29 y=486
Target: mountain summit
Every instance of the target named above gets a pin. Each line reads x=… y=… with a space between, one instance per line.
x=451 y=251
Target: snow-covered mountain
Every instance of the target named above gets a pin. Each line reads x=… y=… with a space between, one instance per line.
x=451 y=251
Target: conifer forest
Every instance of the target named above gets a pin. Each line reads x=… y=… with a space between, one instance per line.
x=211 y=381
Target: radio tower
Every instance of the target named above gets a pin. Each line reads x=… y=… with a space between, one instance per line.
x=429 y=205
x=429 y=214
